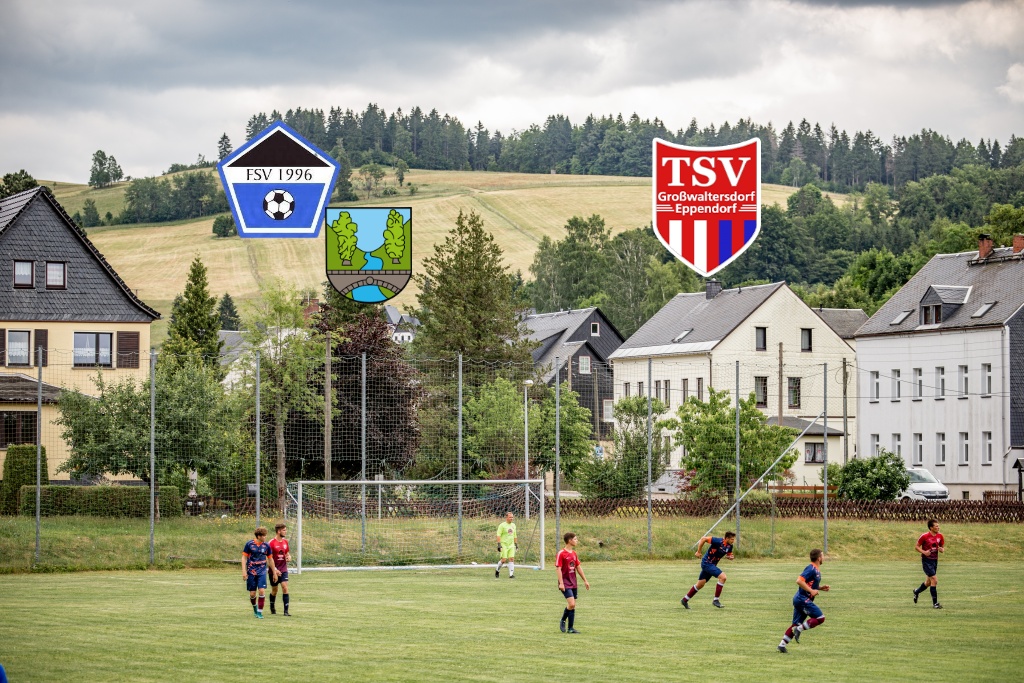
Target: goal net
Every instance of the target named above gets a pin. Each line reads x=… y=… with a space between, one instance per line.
x=415 y=524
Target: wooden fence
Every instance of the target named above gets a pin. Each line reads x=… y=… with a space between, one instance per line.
x=954 y=511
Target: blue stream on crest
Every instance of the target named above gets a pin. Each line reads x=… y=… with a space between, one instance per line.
x=373 y=263
x=368 y=294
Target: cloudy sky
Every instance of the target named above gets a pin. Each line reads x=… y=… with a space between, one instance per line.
x=158 y=82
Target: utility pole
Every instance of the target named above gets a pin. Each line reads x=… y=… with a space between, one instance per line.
x=780 y=384
x=846 y=429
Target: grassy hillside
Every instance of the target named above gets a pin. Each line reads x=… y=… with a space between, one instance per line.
x=518 y=208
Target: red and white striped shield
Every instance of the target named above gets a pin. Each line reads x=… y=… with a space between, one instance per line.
x=707 y=201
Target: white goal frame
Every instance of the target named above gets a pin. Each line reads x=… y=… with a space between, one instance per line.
x=527 y=484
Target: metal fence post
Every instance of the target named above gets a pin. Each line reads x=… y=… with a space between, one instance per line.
x=152 y=455
x=327 y=422
x=39 y=446
x=362 y=441
x=558 y=446
x=460 y=455
x=526 y=445
x=650 y=448
x=846 y=426
x=737 y=453
x=258 y=420
x=824 y=428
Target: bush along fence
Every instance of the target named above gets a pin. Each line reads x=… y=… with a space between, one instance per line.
x=100 y=501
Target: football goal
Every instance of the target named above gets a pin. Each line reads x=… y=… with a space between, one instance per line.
x=415 y=524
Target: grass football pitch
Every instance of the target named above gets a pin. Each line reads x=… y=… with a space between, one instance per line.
x=197 y=625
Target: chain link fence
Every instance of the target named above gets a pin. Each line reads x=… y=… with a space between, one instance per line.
x=162 y=459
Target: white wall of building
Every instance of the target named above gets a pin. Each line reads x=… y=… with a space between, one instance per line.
x=981 y=415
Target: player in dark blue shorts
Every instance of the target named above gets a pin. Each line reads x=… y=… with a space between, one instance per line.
x=806 y=615
x=717 y=549
x=930 y=544
x=254 y=569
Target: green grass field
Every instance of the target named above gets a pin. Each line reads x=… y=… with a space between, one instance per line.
x=463 y=625
x=518 y=208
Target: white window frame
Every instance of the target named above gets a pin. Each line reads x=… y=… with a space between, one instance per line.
x=98 y=362
x=986 y=379
x=940 y=382
x=876 y=445
x=918 y=454
x=595 y=329
x=608 y=410
x=965 y=448
x=962 y=380
x=940 y=448
x=876 y=388
x=897 y=444
x=986 y=448
x=918 y=383
x=897 y=390
x=28 y=349
x=584 y=365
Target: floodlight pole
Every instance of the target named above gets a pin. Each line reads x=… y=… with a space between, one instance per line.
x=558 y=446
x=650 y=436
x=39 y=445
x=824 y=428
x=737 y=453
x=460 y=455
x=258 y=437
x=327 y=419
x=152 y=454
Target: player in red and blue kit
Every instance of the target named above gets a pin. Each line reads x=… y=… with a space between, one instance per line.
x=281 y=556
x=255 y=567
x=568 y=565
x=929 y=545
x=806 y=615
x=717 y=549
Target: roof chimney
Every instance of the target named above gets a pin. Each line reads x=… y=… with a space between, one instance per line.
x=711 y=288
x=1018 y=244
x=984 y=246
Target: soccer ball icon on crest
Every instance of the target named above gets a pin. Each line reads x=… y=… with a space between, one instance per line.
x=278 y=204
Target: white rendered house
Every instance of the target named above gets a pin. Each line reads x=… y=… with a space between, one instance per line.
x=941 y=370
x=782 y=347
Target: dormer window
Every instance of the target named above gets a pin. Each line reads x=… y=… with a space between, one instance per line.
x=56 y=275
x=24 y=274
x=931 y=315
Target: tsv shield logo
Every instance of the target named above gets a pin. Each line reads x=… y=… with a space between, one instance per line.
x=369 y=252
x=706 y=201
x=278 y=184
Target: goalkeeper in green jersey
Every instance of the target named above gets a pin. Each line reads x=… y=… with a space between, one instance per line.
x=507 y=540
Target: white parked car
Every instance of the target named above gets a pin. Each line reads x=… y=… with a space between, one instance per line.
x=924 y=486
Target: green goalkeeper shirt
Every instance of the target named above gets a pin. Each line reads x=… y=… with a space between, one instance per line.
x=507 y=534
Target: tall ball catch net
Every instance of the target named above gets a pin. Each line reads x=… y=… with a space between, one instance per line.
x=415 y=524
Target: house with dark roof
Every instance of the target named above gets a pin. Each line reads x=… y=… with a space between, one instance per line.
x=402 y=325
x=58 y=294
x=695 y=341
x=844 y=321
x=941 y=370
x=577 y=344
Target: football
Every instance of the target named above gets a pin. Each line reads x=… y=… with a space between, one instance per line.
x=278 y=204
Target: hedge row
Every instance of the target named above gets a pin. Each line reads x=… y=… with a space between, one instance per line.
x=19 y=471
x=100 y=501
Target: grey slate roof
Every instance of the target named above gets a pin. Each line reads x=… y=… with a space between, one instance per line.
x=844 y=321
x=234 y=346
x=34 y=227
x=18 y=388
x=800 y=425
x=542 y=326
x=998 y=279
x=710 y=320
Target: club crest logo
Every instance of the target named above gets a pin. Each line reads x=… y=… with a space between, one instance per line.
x=706 y=201
x=369 y=252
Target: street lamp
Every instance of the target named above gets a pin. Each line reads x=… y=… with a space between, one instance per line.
x=526 y=442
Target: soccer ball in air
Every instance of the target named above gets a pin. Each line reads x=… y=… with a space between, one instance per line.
x=278 y=204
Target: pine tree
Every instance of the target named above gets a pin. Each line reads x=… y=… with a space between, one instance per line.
x=224 y=147
x=469 y=306
x=194 y=320
x=228 y=313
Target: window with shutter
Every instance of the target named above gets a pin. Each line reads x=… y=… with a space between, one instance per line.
x=127 y=349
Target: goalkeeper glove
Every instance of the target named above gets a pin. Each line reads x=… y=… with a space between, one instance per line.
x=499 y=547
